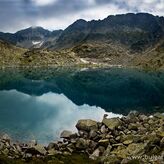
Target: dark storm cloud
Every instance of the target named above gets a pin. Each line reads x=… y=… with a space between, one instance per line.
x=53 y=14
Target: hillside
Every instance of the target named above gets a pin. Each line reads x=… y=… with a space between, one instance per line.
x=11 y=55
x=135 y=40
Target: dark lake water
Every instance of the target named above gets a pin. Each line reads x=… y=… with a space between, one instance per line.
x=39 y=103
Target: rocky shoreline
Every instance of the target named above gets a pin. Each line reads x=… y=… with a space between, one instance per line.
x=135 y=138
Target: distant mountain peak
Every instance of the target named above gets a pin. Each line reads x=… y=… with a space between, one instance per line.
x=134 y=30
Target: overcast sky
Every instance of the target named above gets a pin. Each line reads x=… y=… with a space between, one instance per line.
x=58 y=14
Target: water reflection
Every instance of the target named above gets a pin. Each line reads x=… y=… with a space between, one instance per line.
x=39 y=103
x=115 y=90
x=42 y=117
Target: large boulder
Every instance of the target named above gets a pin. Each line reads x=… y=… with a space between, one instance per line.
x=112 y=123
x=86 y=125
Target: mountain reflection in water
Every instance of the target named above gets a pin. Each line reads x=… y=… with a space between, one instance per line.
x=39 y=103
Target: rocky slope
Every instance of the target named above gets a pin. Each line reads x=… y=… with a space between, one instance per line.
x=12 y=56
x=135 y=40
x=120 y=56
x=152 y=58
x=136 y=138
x=9 y=54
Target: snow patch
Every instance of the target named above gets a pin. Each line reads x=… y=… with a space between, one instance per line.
x=39 y=43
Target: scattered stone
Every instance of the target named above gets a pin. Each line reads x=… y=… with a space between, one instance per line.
x=113 y=140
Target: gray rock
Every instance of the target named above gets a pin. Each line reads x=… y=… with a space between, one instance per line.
x=38 y=149
x=32 y=143
x=5 y=138
x=143 y=117
x=86 y=125
x=53 y=152
x=53 y=145
x=92 y=134
x=133 y=114
x=41 y=149
x=5 y=151
x=132 y=126
x=28 y=155
x=107 y=151
x=95 y=154
x=103 y=142
x=103 y=129
x=66 y=134
x=1 y=145
x=93 y=144
x=112 y=123
x=82 y=143
x=159 y=115
x=162 y=143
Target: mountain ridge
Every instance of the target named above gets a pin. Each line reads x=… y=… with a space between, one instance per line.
x=125 y=39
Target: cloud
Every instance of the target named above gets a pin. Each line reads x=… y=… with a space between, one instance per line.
x=55 y=14
x=43 y=2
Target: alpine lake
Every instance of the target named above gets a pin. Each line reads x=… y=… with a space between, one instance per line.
x=38 y=103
